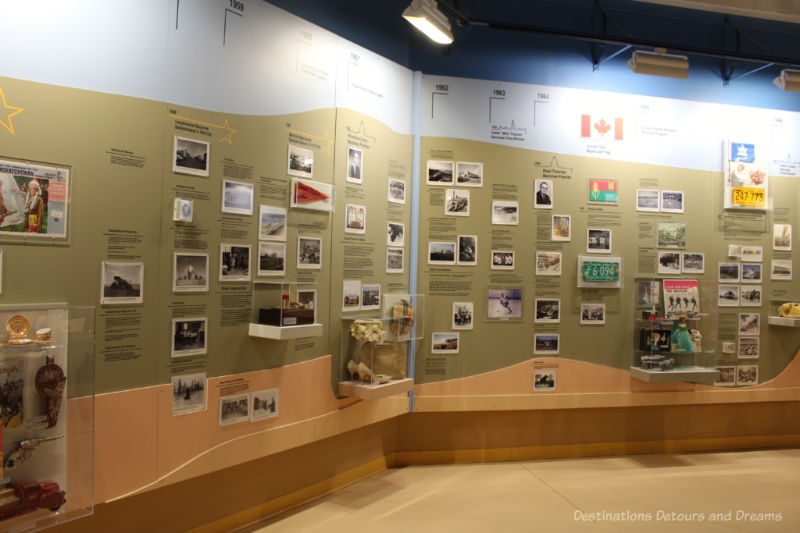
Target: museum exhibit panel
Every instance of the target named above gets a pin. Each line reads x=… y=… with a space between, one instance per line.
x=266 y=246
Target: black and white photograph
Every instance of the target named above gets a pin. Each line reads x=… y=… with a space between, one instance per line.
x=355 y=162
x=395 y=260
x=647 y=200
x=593 y=314
x=467 y=250
x=545 y=343
x=560 y=229
x=727 y=295
x=548 y=310
x=752 y=253
x=782 y=237
x=188 y=393
x=456 y=202
x=234 y=262
x=544 y=379
x=669 y=262
x=237 y=197
x=781 y=270
x=548 y=263
x=728 y=272
x=747 y=375
x=264 y=404
x=505 y=212
x=271 y=258
x=749 y=347
x=395 y=233
x=751 y=296
x=693 y=263
x=469 y=174
x=234 y=409
x=355 y=219
x=309 y=252
x=122 y=283
x=462 y=315
x=502 y=259
x=312 y=195
x=647 y=293
x=672 y=201
x=308 y=300
x=441 y=253
x=397 y=191
x=301 y=162
x=370 y=296
x=189 y=336
x=751 y=272
x=504 y=304
x=749 y=324
x=190 y=272
x=727 y=376
x=351 y=295
x=440 y=172
x=183 y=210
x=445 y=343
x=543 y=199
x=191 y=157
x=598 y=241
x=671 y=234
x=272 y=223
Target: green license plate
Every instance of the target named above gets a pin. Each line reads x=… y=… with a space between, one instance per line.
x=600 y=271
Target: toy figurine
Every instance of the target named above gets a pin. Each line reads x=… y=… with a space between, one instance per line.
x=681 y=341
x=50 y=382
x=697 y=339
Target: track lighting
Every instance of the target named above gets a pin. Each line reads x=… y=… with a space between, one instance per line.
x=659 y=63
x=426 y=17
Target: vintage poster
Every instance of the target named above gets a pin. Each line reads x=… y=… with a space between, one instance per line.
x=33 y=200
x=681 y=297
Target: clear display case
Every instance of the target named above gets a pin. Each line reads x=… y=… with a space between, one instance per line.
x=784 y=312
x=375 y=349
x=284 y=310
x=46 y=416
x=675 y=330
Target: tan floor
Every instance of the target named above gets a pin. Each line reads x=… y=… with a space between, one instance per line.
x=549 y=495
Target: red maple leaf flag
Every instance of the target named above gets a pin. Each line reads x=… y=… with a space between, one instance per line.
x=307 y=194
x=601 y=127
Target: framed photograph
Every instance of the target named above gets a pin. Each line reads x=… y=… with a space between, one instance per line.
x=543 y=199
x=440 y=172
x=545 y=343
x=750 y=324
x=355 y=160
x=456 y=202
x=647 y=200
x=234 y=409
x=728 y=347
x=394 y=260
x=189 y=336
x=272 y=223
x=462 y=315
x=593 y=314
x=190 y=272
x=693 y=263
x=301 y=162
x=271 y=258
x=782 y=237
x=752 y=253
x=747 y=375
x=548 y=310
x=751 y=296
x=191 y=156
x=467 y=250
x=469 y=174
x=544 y=379
x=370 y=296
x=647 y=293
x=351 y=295
x=560 y=228
x=35 y=199
x=504 y=304
x=309 y=253
x=355 y=219
x=505 y=212
x=728 y=272
x=751 y=272
x=237 y=197
x=548 y=263
x=395 y=234
x=397 y=191
x=441 y=253
x=734 y=250
x=313 y=195
x=183 y=210
x=188 y=393
x=308 y=298
x=669 y=262
x=445 y=343
x=671 y=234
x=603 y=192
x=749 y=347
x=122 y=283
x=598 y=241
x=601 y=272
x=781 y=270
x=727 y=376
x=264 y=404
x=672 y=201
x=234 y=262
x=502 y=259
x=728 y=295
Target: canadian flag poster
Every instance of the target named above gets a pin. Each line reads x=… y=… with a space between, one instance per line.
x=604 y=128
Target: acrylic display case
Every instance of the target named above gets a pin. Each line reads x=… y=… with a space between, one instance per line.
x=47 y=416
x=675 y=331
x=782 y=312
x=375 y=349
x=284 y=310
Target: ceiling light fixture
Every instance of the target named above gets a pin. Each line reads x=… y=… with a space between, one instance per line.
x=426 y=17
x=659 y=63
x=788 y=80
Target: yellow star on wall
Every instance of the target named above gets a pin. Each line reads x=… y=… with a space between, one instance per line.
x=14 y=111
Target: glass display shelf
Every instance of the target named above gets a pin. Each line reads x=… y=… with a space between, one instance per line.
x=284 y=310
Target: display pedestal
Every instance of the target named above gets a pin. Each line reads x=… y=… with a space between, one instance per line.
x=697 y=374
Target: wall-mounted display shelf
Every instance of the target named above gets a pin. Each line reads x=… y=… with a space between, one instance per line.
x=284 y=310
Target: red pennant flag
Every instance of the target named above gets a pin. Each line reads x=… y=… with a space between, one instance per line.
x=305 y=194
